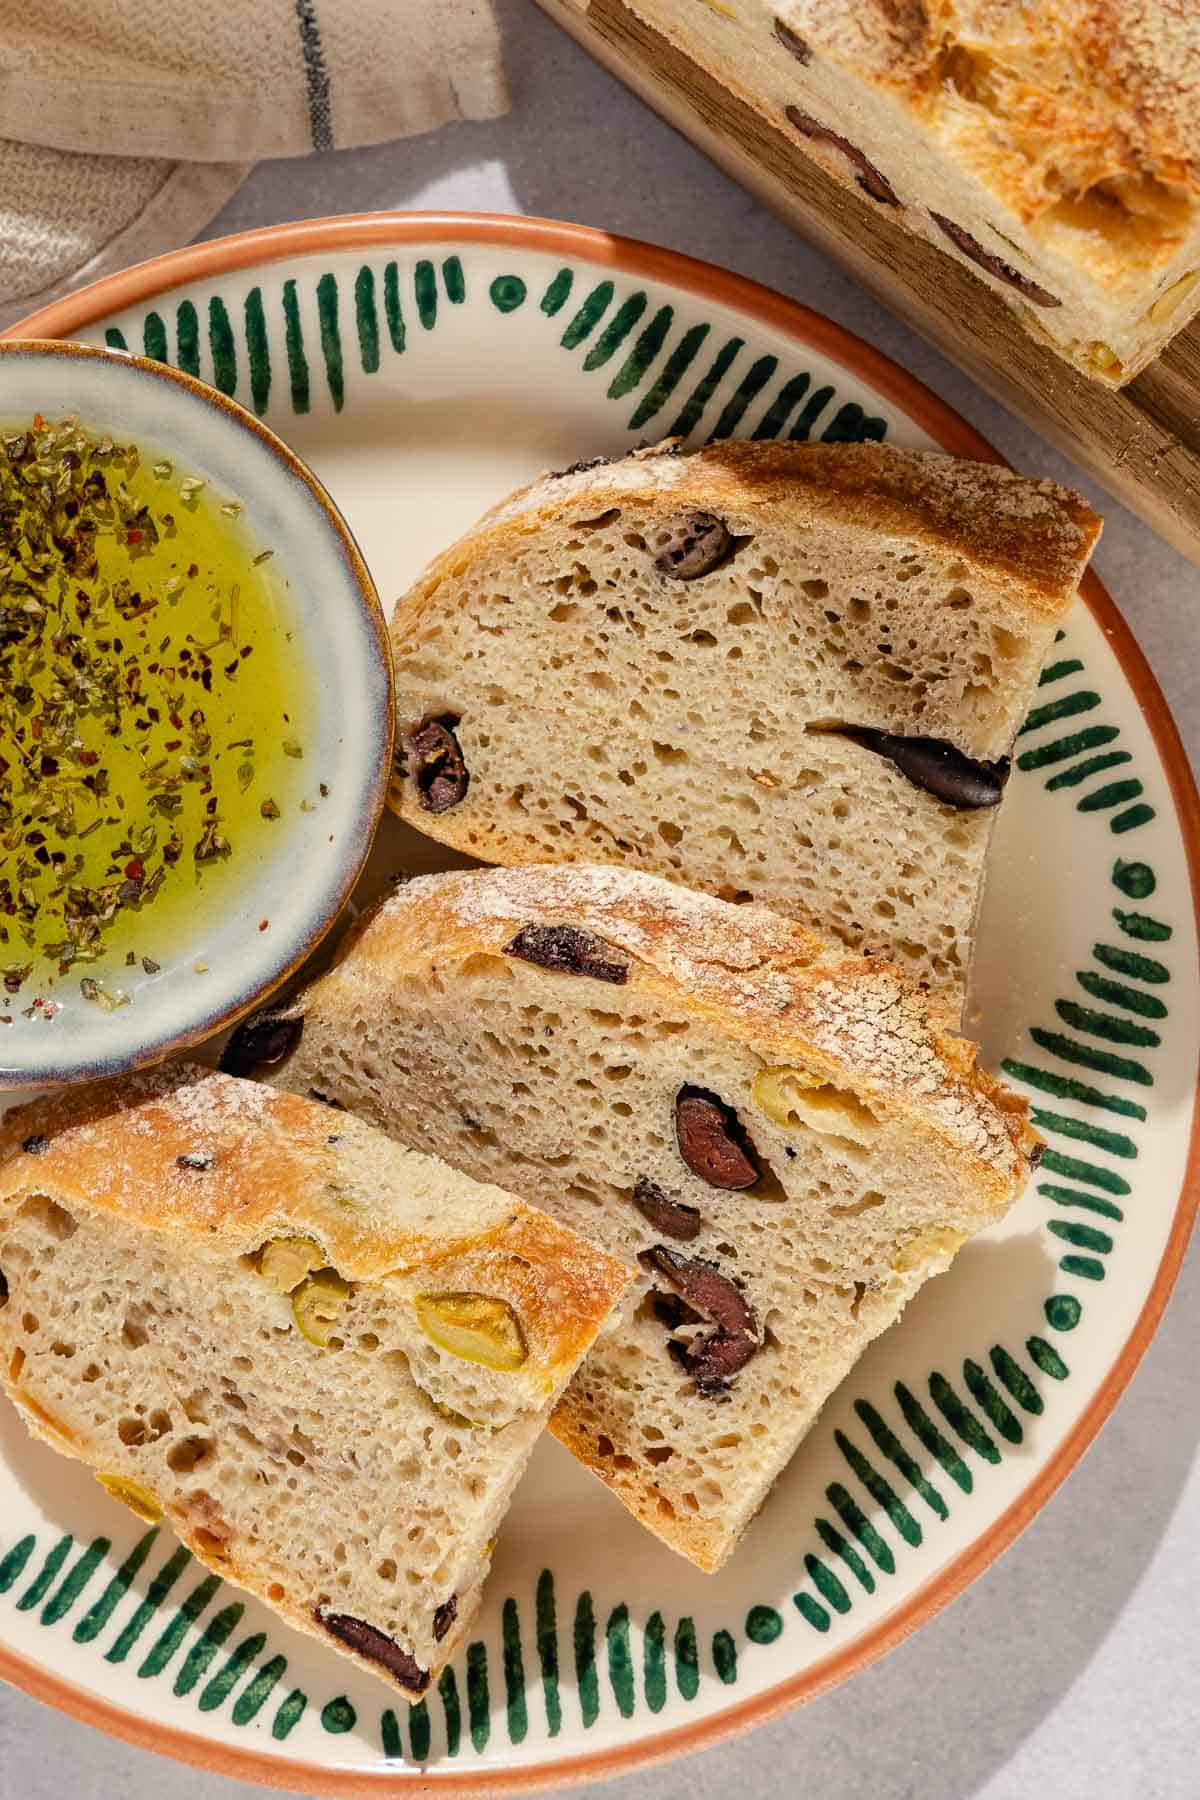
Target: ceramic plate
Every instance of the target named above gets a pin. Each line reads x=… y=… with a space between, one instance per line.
x=425 y=365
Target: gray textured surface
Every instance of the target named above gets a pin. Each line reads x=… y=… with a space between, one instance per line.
x=1071 y=1667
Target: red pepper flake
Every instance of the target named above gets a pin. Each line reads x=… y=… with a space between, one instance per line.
x=134 y=536
x=89 y=758
x=263 y=924
x=135 y=869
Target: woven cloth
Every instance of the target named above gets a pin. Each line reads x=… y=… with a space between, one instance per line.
x=125 y=127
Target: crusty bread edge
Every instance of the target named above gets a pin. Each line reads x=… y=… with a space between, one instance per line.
x=421 y=920
x=1032 y=538
x=238 y=1202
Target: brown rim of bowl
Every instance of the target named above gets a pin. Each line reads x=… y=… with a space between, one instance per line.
x=364 y=231
x=21 y=341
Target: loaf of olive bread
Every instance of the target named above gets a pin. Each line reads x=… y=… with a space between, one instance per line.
x=1053 y=146
x=776 y=1134
x=324 y=1358
x=779 y=672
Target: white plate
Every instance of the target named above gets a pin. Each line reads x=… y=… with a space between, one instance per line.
x=425 y=365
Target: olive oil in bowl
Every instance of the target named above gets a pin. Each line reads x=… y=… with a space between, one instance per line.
x=153 y=698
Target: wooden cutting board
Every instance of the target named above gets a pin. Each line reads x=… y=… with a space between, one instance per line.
x=1142 y=441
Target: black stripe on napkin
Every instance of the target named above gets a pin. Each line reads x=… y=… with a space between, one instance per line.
x=316 y=76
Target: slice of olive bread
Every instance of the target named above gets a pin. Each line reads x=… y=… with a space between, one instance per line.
x=775 y=1133
x=781 y=672
x=323 y=1357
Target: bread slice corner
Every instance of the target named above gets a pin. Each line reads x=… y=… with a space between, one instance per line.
x=322 y=1357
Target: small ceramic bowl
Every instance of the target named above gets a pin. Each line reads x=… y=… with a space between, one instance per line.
x=281 y=896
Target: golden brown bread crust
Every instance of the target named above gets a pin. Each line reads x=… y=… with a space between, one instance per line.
x=116 y=1146
x=1032 y=538
x=1069 y=93
x=857 y=1021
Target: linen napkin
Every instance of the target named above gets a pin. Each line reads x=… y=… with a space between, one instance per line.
x=125 y=125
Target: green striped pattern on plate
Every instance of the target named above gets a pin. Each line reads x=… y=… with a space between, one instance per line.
x=675 y=371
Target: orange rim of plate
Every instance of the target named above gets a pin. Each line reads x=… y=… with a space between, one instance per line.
x=361 y=231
